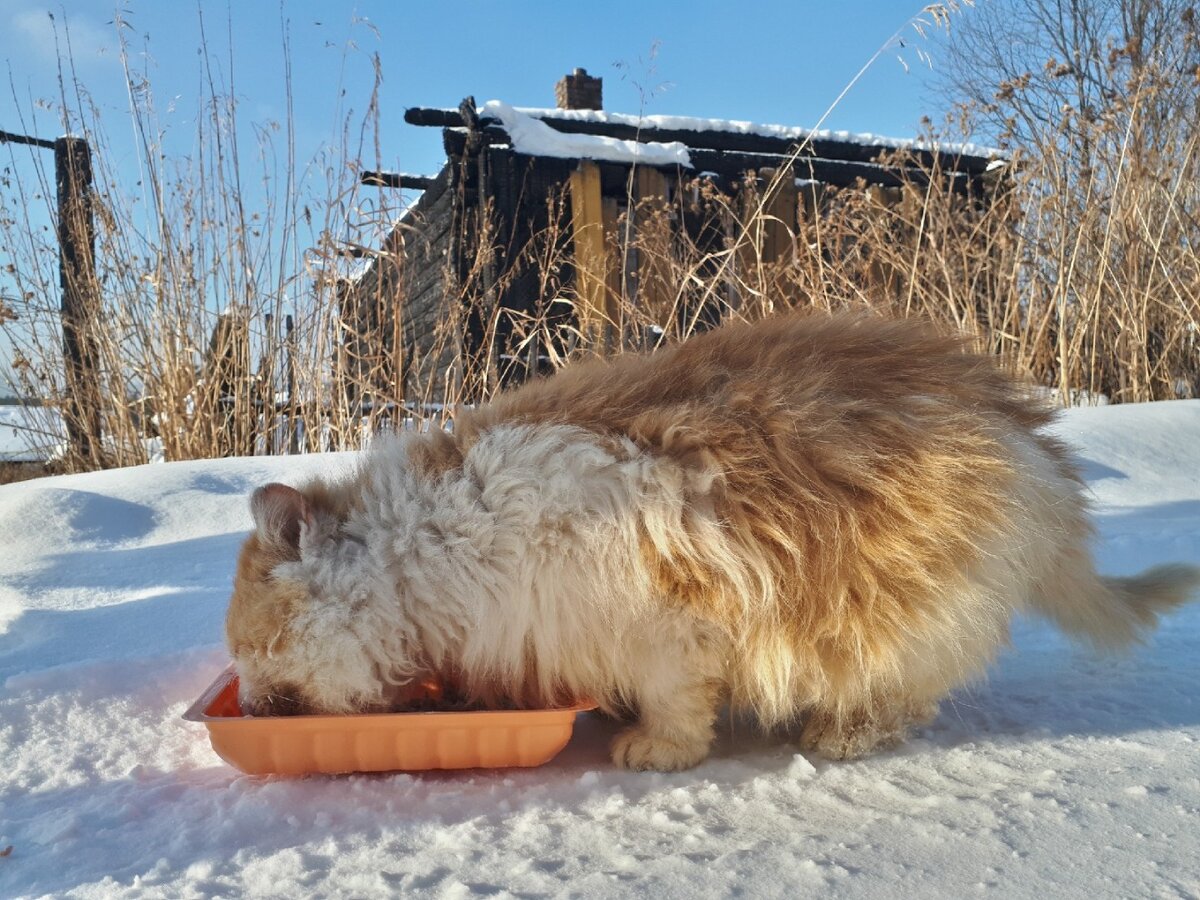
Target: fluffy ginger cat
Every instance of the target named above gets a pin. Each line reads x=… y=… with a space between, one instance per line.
x=831 y=518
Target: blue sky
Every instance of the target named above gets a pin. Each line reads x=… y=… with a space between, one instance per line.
x=766 y=62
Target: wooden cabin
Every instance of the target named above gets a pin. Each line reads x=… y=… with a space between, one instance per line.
x=520 y=225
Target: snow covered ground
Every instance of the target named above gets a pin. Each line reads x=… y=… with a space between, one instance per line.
x=1065 y=775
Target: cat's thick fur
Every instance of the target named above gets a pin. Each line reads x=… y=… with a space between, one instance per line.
x=827 y=517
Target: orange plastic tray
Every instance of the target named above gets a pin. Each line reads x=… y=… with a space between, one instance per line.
x=301 y=745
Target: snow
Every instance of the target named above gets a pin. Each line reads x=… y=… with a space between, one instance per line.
x=733 y=126
x=1065 y=775
x=30 y=434
x=533 y=137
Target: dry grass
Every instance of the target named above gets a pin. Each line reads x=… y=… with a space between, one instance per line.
x=1086 y=278
x=1087 y=282
x=210 y=320
x=10 y=473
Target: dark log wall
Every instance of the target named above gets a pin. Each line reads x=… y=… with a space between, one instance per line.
x=531 y=222
x=487 y=251
x=431 y=332
x=408 y=283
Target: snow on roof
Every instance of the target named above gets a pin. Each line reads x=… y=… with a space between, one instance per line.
x=535 y=138
x=359 y=268
x=732 y=126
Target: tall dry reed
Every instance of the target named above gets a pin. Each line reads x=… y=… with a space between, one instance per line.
x=225 y=330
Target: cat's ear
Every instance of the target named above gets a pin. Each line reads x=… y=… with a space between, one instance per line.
x=279 y=513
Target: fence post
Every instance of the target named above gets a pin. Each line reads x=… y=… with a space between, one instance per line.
x=77 y=278
x=227 y=375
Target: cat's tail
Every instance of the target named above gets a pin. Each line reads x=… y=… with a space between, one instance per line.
x=1112 y=613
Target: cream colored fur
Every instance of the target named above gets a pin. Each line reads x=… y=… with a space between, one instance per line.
x=751 y=518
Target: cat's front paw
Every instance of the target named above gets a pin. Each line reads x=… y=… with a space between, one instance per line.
x=637 y=748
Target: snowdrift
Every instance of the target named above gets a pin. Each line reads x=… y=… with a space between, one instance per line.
x=1063 y=775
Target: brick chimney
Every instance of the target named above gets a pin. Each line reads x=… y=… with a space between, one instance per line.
x=579 y=91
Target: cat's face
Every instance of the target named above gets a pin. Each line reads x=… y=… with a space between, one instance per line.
x=292 y=633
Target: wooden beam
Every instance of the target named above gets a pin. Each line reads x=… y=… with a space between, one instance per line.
x=398 y=180
x=457 y=142
x=882 y=275
x=614 y=331
x=587 y=229
x=732 y=164
x=7 y=137
x=730 y=141
x=779 y=217
x=654 y=294
x=831 y=172
x=811 y=194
